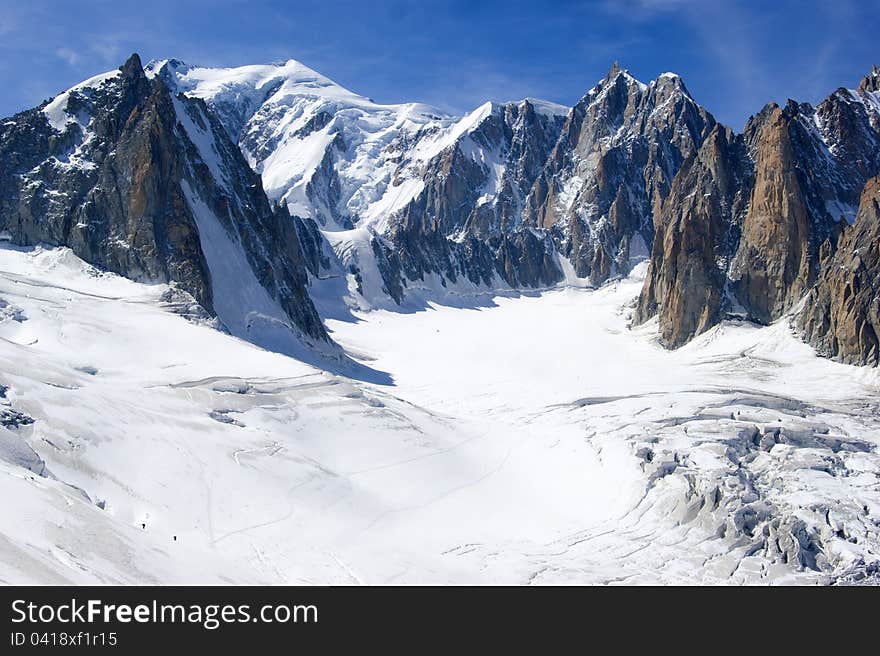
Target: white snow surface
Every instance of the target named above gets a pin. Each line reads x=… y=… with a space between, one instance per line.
x=525 y=439
x=60 y=117
x=292 y=123
x=287 y=118
x=56 y=110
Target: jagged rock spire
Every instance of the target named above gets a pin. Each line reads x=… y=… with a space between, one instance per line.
x=132 y=67
x=871 y=82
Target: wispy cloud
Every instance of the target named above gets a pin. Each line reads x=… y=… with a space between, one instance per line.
x=72 y=57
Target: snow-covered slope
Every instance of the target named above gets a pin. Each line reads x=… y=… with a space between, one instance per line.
x=327 y=153
x=330 y=154
x=352 y=165
x=593 y=455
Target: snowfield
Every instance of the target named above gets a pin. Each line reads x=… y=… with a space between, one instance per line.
x=524 y=439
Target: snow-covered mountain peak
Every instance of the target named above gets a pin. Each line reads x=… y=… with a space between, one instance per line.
x=474 y=120
x=326 y=152
x=620 y=82
x=290 y=77
x=443 y=139
x=616 y=75
x=243 y=89
x=671 y=82
x=616 y=94
x=546 y=107
x=76 y=104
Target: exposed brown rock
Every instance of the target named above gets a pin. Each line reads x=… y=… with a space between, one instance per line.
x=612 y=166
x=685 y=284
x=775 y=263
x=800 y=172
x=841 y=316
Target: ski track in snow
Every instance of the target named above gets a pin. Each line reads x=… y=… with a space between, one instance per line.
x=535 y=439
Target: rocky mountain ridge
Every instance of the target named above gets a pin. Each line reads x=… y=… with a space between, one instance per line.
x=145 y=183
x=512 y=195
x=841 y=315
x=772 y=206
x=403 y=201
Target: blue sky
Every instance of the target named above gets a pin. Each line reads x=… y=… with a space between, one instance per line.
x=734 y=56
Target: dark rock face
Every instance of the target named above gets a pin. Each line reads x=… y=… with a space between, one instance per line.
x=871 y=85
x=452 y=184
x=841 y=316
x=810 y=167
x=314 y=247
x=613 y=165
x=763 y=217
x=588 y=187
x=479 y=183
x=527 y=136
x=114 y=179
x=466 y=221
x=521 y=259
x=63 y=188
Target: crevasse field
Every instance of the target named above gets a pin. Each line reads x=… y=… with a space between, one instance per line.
x=522 y=439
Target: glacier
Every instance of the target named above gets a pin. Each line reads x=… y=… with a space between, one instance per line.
x=526 y=438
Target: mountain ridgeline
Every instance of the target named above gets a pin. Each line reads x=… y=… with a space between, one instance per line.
x=146 y=184
x=251 y=187
x=756 y=221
